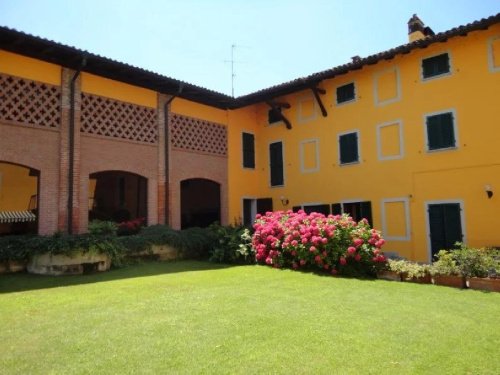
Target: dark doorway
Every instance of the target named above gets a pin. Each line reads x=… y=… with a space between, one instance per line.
x=200 y=203
x=19 y=187
x=445 y=226
x=117 y=196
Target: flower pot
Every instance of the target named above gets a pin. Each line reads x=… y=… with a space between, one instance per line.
x=419 y=280
x=486 y=283
x=78 y=263
x=3 y=267
x=16 y=266
x=449 y=280
x=389 y=275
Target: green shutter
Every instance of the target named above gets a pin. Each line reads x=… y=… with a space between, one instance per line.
x=336 y=209
x=320 y=208
x=264 y=205
x=436 y=65
x=366 y=211
x=276 y=163
x=440 y=131
x=348 y=144
x=248 y=141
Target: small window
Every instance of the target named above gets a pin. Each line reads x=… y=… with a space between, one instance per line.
x=440 y=131
x=274 y=115
x=345 y=93
x=348 y=148
x=276 y=163
x=435 y=66
x=357 y=210
x=248 y=141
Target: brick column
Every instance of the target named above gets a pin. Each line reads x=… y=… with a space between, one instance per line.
x=64 y=152
x=163 y=180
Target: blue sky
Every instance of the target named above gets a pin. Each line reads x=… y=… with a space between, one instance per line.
x=276 y=40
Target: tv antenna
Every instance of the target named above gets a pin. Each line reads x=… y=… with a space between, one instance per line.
x=233 y=74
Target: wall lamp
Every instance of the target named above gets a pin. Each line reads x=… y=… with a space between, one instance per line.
x=489 y=191
x=284 y=201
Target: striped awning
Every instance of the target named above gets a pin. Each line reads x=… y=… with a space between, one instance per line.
x=16 y=216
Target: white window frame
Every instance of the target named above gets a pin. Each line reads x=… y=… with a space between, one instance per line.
x=491 y=59
x=349 y=101
x=301 y=119
x=269 y=163
x=406 y=202
x=455 y=131
x=357 y=131
x=303 y=169
x=399 y=123
x=254 y=149
x=450 y=62
x=376 y=76
x=428 y=226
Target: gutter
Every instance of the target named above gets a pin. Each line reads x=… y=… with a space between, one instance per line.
x=71 y=171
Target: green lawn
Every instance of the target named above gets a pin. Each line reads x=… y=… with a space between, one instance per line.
x=196 y=317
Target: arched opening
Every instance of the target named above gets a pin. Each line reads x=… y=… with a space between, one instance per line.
x=18 y=199
x=117 y=196
x=200 y=203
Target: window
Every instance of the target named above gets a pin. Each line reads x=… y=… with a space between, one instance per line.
x=252 y=207
x=309 y=208
x=276 y=163
x=357 y=210
x=440 y=131
x=435 y=66
x=274 y=115
x=248 y=146
x=345 y=93
x=348 y=148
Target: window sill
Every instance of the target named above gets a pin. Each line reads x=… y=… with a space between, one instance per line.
x=350 y=163
x=345 y=103
x=431 y=78
x=441 y=149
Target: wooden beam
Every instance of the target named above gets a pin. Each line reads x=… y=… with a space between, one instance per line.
x=277 y=107
x=316 y=92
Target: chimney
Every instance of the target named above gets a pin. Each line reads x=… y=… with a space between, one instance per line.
x=417 y=29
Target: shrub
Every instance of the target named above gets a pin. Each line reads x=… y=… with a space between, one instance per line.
x=336 y=244
x=127 y=228
x=102 y=228
x=231 y=244
x=468 y=262
x=195 y=243
x=445 y=264
x=408 y=269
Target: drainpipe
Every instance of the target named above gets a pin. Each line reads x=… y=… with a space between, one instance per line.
x=72 y=143
x=167 y=141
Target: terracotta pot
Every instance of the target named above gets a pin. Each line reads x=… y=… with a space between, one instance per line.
x=389 y=275
x=3 y=267
x=480 y=283
x=16 y=266
x=419 y=280
x=449 y=280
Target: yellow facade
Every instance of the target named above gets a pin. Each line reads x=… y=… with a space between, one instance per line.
x=26 y=67
x=17 y=187
x=396 y=172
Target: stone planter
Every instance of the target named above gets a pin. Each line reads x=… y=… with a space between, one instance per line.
x=480 y=283
x=389 y=275
x=449 y=280
x=159 y=252
x=77 y=264
x=16 y=266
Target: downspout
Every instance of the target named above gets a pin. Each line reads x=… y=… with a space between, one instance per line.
x=72 y=143
x=167 y=156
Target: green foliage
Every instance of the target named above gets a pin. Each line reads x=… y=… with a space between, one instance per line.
x=445 y=264
x=195 y=243
x=102 y=228
x=17 y=248
x=231 y=244
x=409 y=269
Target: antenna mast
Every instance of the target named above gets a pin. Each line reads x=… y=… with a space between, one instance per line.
x=233 y=47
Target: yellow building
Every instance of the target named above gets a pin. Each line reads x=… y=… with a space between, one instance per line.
x=405 y=137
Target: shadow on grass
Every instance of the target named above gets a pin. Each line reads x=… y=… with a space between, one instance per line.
x=20 y=282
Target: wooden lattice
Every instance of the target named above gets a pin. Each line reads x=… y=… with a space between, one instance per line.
x=29 y=102
x=194 y=134
x=113 y=118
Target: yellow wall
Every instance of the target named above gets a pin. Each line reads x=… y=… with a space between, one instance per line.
x=16 y=187
x=96 y=85
x=419 y=176
x=26 y=67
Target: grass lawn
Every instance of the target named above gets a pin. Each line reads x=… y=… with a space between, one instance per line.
x=196 y=317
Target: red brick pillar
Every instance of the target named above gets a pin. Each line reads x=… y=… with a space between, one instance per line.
x=64 y=152
x=163 y=161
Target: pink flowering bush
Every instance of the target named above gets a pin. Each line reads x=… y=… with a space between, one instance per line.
x=336 y=244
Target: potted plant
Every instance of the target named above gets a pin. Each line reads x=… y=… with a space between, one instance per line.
x=392 y=272
x=415 y=272
x=480 y=266
x=445 y=270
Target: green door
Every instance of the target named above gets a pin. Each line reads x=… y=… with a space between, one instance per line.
x=445 y=226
